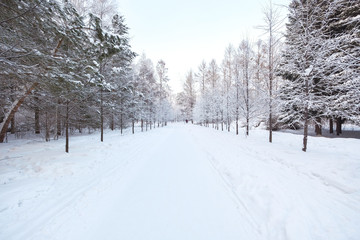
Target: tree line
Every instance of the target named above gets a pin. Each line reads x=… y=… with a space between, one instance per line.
x=68 y=66
x=309 y=75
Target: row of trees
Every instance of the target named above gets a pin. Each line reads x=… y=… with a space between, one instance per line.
x=321 y=65
x=243 y=88
x=311 y=77
x=71 y=71
x=236 y=92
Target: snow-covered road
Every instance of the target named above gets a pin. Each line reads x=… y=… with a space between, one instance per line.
x=180 y=182
x=171 y=193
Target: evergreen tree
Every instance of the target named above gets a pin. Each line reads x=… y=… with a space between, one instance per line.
x=305 y=83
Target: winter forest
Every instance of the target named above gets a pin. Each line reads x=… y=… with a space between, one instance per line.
x=73 y=70
x=70 y=80
x=68 y=66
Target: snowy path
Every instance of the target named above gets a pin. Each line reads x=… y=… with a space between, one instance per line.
x=172 y=193
x=180 y=182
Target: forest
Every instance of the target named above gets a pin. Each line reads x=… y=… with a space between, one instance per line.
x=259 y=140
x=68 y=66
x=70 y=72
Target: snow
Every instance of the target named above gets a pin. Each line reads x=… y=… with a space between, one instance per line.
x=181 y=182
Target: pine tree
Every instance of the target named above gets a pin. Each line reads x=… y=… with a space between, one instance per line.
x=342 y=62
x=301 y=67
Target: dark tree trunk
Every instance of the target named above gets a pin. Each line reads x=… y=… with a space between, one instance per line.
x=142 y=125
x=7 y=120
x=331 y=125
x=47 y=129
x=58 y=119
x=37 y=114
x=67 y=128
x=133 y=126
x=37 y=120
x=305 y=129
x=121 y=123
x=318 y=127
x=338 y=126
x=247 y=126
x=306 y=115
x=112 y=123
x=12 y=126
x=237 y=127
x=270 y=126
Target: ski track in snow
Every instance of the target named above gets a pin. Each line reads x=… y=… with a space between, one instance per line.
x=180 y=182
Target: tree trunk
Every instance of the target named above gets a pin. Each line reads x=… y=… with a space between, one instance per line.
x=101 y=116
x=306 y=115
x=247 y=125
x=12 y=126
x=142 y=125
x=318 y=127
x=270 y=126
x=47 y=129
x=37 y=120
x=331 y=125
x=237 y=127
x=338 y=126
x=112 y=122
x=15 y=106
x=133 y=126
x=58 y=119
x=121 y=123
x=67 y=128
x=270 y=80
x=305 y=129
x=247 y=100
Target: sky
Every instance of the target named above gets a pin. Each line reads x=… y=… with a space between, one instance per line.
x=184 y=33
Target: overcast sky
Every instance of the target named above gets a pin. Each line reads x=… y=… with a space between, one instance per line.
x=185 y=32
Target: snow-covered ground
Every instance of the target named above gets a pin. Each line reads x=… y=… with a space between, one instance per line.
x=181 y=182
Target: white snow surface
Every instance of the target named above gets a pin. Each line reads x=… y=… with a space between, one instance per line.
x=181 y=182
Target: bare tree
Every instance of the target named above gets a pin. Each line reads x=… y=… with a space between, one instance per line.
x=227 y=81
x=273 y=23
x=104 y=9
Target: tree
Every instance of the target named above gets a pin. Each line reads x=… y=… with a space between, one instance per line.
x=243 y=77
x=187 y=98
x=227 y=83
x=161 y=71
x=272 y=25
x=71 y=67
x=201 y=76
x=302 y=63
x=149 y=90
x=50 y=43
x=342 y=62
